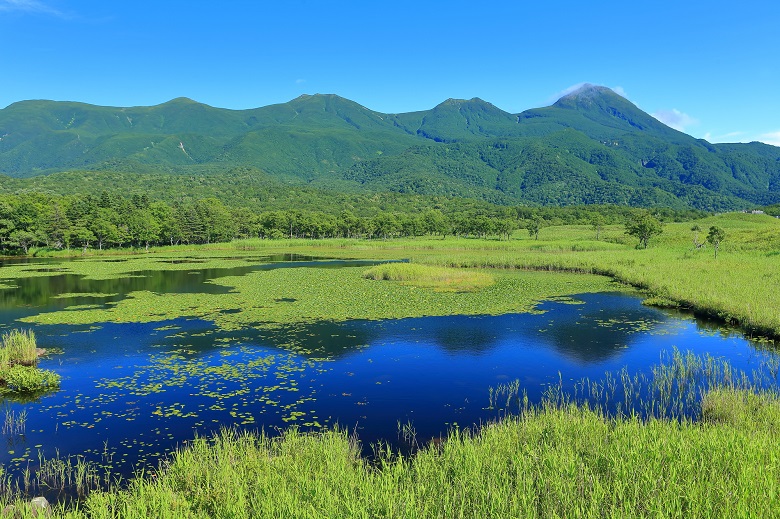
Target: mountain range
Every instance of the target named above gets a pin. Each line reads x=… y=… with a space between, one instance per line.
x=591 y=146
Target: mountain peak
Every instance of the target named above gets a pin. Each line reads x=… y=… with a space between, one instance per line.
x=474 y=101
x=587 y=94
x=180 y=101
x=597 y=110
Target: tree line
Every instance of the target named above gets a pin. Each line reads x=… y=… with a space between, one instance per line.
x=110 y=220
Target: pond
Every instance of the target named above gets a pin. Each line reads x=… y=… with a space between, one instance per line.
x=132 y=392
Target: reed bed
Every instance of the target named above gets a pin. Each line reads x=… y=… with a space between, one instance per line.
x=552 y=461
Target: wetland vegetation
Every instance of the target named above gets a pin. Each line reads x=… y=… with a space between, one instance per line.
x=19 y=376
x=694 y=437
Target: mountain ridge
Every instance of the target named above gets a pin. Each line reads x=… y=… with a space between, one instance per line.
x=591 y=146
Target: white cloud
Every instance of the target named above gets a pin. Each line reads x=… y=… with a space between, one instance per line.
x=565 y=92
x=620 y=91
x=675 y=118
x=772 y=138
x=726 y=137
x=28 y=6
x=300 y=81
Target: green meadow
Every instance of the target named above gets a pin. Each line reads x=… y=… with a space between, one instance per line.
x=738 y=287
x=559 y=459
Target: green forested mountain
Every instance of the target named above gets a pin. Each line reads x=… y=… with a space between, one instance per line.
x=591 y=146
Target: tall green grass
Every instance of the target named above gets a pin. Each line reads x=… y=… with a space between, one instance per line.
x=18 y=347
x=569 y=456
x=19 y=375
x=553 y=461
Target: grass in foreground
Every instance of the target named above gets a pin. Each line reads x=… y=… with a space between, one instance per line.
x=562 y=458
x=553 y=461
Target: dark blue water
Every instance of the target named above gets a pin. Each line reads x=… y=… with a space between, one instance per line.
x=136 y=391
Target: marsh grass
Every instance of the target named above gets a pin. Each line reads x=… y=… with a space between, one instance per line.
x=27 y=380
x=18 y=347
x=553 y=460
x=19 y=375
x=673 y=389
x=68 y=481
x=440 y=279
x=14 y=424
x=737 y=288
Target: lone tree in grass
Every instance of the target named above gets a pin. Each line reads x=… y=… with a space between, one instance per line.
x=715 y=236
x=644 y=227
x=534 y=226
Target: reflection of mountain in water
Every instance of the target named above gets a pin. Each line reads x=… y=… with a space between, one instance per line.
x=320 y=339
x=588 y=333
x=598 y=329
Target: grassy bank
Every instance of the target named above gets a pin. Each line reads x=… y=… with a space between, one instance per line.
x=553 y=461
x=19 y=376
x=739 y=287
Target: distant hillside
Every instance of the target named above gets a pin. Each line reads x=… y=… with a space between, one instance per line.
x=591 y=146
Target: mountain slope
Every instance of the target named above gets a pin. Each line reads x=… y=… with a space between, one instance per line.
x=591 y=146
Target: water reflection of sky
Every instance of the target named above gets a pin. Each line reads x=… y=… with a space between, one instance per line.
x=141 y=389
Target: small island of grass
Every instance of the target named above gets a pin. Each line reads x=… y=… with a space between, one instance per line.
x=19 y=374
x=440 y=279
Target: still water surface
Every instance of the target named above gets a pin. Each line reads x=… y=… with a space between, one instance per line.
x=136 y=391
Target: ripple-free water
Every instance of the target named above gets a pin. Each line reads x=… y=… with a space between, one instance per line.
x=137 y=391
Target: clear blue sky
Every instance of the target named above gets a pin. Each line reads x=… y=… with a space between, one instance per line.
x=711 y=68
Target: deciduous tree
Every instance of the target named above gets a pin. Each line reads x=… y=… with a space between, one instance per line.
x=643 y=227
x=715 y=237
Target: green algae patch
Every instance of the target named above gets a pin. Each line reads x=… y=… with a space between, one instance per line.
x=290 y=295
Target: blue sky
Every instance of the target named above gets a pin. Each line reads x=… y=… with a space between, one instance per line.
x=711 y=69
